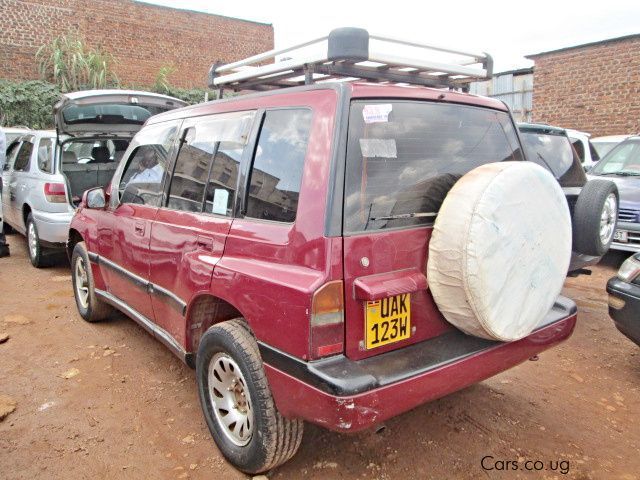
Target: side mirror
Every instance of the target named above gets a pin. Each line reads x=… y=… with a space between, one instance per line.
x=95 y=198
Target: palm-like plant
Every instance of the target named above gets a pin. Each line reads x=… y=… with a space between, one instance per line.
x=68 y=63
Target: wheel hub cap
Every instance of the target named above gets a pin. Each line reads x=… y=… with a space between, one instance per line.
x=33 y=240
x=82 y=283
x=230 y=399
x=608 y=219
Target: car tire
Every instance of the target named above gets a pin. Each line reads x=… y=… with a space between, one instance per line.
x=228 y=357
x=90 y=307
x=595 y=217
x=34 y=247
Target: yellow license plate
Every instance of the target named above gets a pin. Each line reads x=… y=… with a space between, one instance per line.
x=388 y=320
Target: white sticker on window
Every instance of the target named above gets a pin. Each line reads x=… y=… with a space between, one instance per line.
x=377 y=113
x=220 y=201
x=378 y=147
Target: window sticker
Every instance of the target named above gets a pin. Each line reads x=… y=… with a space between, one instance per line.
x=220 y=200
x=378 y=147
x=378 y=113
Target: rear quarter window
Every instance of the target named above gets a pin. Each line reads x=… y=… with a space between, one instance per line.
x=403 y=157
x=23 y=159
x=276 y=174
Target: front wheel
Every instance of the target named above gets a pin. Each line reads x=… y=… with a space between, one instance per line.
x=595 y=217
x=237 y=403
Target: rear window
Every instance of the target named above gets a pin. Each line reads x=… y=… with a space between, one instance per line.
x=110 y=114
x=553 y=150
x=404 y=157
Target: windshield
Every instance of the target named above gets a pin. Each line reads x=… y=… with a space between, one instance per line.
x=623 y=160
x=552 y=150
x=404 y=156
x=604 y=147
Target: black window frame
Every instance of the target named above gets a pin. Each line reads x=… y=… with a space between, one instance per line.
x=27 y=166
x=244 y=190
x=246 y=157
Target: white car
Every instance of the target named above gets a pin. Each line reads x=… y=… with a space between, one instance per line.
x=603 y=145
x=587 y=153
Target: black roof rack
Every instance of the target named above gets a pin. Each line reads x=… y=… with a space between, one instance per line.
x=353 y=54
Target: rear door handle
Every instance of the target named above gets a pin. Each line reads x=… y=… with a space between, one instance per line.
x=139 y=228
x=204 y=243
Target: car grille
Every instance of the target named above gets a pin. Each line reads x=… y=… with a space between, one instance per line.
x=628 y=215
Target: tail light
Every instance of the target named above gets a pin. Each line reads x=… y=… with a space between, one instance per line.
x=55 y=192
x=327 y=320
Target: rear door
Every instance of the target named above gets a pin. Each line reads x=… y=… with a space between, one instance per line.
x=402 y=159
x=123 y=239
x=190 y=230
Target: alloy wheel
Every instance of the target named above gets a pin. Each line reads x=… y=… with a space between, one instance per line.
x=230 y=400
x=82 y=283
x=608 y=219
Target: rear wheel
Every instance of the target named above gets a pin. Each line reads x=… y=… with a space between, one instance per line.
x=91 y=308
x=237 y=403
x=36 y=254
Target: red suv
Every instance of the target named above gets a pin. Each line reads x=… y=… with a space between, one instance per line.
x=278 y=241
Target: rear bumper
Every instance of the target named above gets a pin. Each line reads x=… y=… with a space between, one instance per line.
x=624 y=307
x=53 y=228
x=348 y=396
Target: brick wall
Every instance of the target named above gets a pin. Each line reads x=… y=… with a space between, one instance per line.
x=141 y=37
x=594 y=87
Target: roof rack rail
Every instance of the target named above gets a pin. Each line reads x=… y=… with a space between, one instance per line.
x=354 y=54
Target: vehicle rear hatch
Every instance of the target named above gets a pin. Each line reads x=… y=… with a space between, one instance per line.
x=109 y=112
x=403 y=156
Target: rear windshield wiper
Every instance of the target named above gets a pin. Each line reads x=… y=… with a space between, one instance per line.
x=407 y=215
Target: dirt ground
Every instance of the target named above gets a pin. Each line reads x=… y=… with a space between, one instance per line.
x=129 y=409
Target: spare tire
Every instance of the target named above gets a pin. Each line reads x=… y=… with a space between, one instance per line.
x=500 y=250
x=595 y=217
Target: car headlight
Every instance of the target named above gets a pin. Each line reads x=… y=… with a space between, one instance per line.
x=630 y=269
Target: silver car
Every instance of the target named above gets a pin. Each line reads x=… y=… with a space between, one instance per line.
x=47 y=172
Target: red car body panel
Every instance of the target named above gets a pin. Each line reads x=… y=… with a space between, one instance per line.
x=269 y=271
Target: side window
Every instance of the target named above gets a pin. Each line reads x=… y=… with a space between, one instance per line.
x=22 y=161
x=11 y=155
x=141 y=180
x=577 y=144
x=45 y=155
x=276 y=174
x=594 y=153
x=207 y=162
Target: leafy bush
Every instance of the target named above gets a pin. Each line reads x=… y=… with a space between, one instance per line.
x=28 y=103
x=70 y=64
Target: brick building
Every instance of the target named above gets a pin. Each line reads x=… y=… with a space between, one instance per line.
x=142 y=37
x=593 y=87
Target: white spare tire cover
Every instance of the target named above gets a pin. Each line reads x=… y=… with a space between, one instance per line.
x=500 y=250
